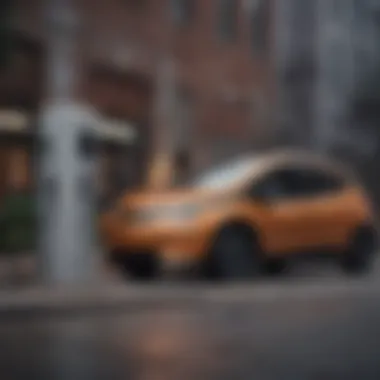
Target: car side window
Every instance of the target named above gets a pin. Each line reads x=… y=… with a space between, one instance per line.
x=270 y=188
x=314 y=182
x=289 y=183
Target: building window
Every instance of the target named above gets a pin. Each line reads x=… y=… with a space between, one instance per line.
x=260 y=26
x=183 y=11
x=228 y=19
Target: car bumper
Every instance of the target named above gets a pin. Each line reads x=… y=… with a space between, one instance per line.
x=176 y=246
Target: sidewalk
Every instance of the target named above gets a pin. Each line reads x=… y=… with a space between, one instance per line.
x=112 y=292
x=101 y=297
x=20 y=294
x=24 y=267
x=112 y=297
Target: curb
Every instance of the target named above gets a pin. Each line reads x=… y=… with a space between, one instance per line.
x=40 y=302
x=70 y=301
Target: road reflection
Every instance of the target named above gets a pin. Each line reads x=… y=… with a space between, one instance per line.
x=172 y=346
x=72 y=351
x=276 y=340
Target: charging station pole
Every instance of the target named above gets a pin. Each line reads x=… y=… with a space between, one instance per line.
x=66 y=171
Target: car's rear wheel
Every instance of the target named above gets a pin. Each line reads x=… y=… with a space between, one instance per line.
x=358 y=258
x=235 y=255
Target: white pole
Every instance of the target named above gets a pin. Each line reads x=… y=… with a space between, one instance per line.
x=66 y=169
x=62 y=27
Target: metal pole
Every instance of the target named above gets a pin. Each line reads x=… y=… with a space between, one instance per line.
x=65 y=197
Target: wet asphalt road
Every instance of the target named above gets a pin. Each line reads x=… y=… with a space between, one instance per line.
x=300 y=338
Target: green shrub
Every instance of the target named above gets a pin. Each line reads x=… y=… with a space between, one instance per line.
x=18 y=220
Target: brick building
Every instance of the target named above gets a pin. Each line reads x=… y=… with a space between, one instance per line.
x=222 y=53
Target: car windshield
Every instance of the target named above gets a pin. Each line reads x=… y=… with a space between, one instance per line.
x=224 y=176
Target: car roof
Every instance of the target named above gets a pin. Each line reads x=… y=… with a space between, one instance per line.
x=266 y=161
x=297 y=157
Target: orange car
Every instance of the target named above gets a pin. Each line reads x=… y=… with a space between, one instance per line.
x=248 y=216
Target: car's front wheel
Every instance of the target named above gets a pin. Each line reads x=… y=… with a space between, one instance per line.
x=234 y=255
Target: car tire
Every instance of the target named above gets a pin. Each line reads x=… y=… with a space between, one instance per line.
x=234 y=255
x=358 y=258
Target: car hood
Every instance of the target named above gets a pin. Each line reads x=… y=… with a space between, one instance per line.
x=150 y=198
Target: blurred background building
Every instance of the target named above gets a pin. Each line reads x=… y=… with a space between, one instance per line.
x=223 y=69
x=296 y=29
x=246 y=73
x=324 y=49
x=346 y=52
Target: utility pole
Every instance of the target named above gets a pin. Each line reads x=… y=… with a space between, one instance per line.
x=161 y=174
x=66 y=197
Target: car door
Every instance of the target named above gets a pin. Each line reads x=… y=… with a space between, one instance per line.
x=325 y=199
x=290 y=216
